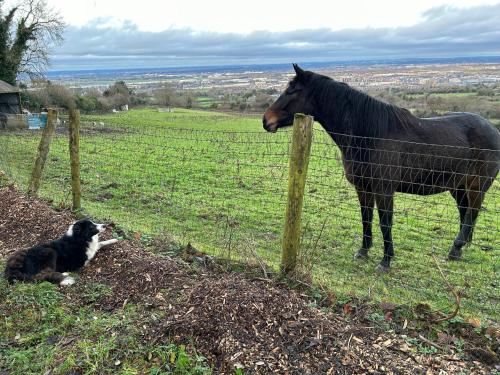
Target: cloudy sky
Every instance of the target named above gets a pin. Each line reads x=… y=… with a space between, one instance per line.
x=161 y=33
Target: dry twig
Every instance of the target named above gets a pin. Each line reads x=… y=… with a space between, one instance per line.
x=452 y=290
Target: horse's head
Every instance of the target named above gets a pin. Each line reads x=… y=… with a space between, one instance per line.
x=295 y=99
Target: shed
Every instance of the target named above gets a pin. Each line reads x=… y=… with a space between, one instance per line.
x=10 y=99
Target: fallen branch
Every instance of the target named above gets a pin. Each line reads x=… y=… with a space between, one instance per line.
x=431 y=343
x=452 y=290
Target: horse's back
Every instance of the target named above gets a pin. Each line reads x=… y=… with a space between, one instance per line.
x=478 y=140
x=461 y=129
x=434 y=155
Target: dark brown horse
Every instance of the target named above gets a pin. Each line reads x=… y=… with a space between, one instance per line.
x=385 y=149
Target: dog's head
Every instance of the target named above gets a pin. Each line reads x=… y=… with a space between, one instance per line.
x=85 y=229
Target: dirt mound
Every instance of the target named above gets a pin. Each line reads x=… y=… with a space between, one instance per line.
x=264 y=327
x=234 y=321
x=133 y=275
x=26 y=221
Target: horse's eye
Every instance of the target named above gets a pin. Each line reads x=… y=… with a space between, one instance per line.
x=291 y=90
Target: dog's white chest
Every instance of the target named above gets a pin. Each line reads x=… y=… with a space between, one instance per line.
x=92 y=248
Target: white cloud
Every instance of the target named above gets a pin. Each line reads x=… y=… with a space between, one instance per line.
x=247 y=16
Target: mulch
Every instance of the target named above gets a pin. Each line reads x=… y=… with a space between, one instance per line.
x=235 y=321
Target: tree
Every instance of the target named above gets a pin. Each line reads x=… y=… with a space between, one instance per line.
x=118 y=88
x=46 y=94
x=118 y=94
x=27 y=32
x=165 y=96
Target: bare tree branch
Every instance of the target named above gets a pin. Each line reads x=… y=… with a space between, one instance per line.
x=27 y=34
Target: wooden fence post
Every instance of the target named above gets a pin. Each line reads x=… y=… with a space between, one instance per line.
x=43 y=151
x=74 y=153
x=299 y=161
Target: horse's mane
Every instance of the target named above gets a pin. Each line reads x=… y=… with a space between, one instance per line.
x=356 y=112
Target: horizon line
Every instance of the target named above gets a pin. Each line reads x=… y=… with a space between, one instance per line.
x=379 y=60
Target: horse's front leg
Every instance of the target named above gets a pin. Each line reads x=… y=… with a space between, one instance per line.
x=366 y=201
x=385 y=203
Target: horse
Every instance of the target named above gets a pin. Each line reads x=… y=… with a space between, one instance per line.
x=386 y=149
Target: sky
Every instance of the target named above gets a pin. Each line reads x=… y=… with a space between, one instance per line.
x=156 y=33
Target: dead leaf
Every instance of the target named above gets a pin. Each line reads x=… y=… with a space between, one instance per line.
x=475 y=322
x=493 y=332
x=388 y=316
x=137 y=235
x=347 y=309
x=357 y=339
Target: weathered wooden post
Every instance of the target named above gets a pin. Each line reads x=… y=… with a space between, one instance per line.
x=43 y=151
x=74 y=153
x=299 y=161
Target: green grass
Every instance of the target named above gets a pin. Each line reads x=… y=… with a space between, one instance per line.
x=41 y=331
x=443 y=95
x=220 y=182
x=205 y=101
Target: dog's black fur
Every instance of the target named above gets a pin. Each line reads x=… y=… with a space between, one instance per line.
x=52 y=260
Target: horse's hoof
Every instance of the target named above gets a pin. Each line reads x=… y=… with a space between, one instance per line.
x=362 y=254
x=454 y=254
x=382 y=269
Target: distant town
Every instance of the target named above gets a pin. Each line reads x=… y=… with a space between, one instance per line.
x=408 y=77
x=425 y=88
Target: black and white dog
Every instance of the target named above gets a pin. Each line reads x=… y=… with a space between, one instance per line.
x=52 y=261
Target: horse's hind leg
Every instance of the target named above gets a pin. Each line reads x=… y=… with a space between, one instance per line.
x=366 y=201
x=475 y=198
x=385 y=203
x=460 y=196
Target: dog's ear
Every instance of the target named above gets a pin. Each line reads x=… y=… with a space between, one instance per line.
x=79 y=227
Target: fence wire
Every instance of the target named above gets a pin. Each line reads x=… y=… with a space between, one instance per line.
x=225 y=192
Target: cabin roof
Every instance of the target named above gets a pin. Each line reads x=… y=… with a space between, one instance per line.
x=5 y=88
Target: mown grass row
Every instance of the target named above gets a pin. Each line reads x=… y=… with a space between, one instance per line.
x=219 y=181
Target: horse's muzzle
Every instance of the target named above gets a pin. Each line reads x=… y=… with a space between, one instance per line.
x=270 y=127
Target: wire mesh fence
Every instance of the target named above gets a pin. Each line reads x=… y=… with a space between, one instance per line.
x=207 y=180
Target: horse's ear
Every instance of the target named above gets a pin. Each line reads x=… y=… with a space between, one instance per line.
x=298 y=69
x=301 y=74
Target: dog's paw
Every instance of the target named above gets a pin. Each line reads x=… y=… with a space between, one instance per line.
x=68 y=280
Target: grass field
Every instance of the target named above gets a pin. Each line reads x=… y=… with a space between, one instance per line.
x=219 y=182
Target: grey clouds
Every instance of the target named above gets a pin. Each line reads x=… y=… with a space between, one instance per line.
x=443 y=32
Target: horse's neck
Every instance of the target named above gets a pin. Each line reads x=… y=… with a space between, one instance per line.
x=334 y=125
x=332 y=116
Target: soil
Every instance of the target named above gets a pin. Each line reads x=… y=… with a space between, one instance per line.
x=234 y=320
